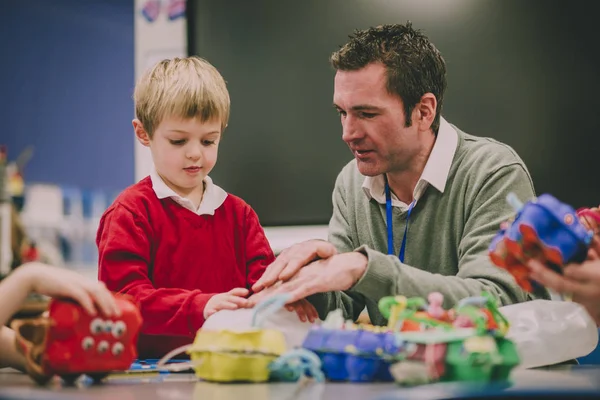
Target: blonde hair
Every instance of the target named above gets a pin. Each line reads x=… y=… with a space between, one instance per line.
x=181 y=87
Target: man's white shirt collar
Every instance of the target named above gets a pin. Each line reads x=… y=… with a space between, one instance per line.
x=212 y=199
x=435 y=172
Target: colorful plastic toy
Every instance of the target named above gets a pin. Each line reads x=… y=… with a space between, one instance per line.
x=69 y=342
x=294 y=365
x=414 y=314
x=252 y=355
x=352 y=353
x=227 y=356
x=447 y=356
x=422 y=343
x=542 y=228
x=474 y=349
x=481 y=313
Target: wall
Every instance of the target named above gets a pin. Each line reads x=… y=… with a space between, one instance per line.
x=160 y=37
x=522 y=72
x=67 y=80
x=160 y=32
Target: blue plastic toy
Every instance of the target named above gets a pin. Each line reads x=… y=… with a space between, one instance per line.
x=354 y=354
x=542 y=228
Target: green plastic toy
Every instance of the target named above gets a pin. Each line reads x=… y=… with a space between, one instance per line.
x=465 y=343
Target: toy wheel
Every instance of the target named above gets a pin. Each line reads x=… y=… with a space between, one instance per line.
x=70 y=379
x=97 y=378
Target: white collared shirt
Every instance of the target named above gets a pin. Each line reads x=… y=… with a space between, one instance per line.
x=212 y=199
x=435 y=172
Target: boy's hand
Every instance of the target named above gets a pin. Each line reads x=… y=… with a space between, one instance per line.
x=304 y=309
x=60 y=282
x=232 y=300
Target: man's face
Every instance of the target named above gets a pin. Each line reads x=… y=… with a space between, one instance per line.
x=373 y=121
x=184 y=151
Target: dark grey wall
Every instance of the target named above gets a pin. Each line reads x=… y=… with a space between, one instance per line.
x=522 y=72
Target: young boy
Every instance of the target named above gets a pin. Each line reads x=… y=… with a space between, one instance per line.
x=176 y=242
x=50 y=281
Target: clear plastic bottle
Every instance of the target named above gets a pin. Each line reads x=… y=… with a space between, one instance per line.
x=548 y=332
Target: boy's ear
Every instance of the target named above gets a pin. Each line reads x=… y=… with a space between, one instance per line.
x=140 y=132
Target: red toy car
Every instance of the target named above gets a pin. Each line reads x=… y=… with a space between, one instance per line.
x=69 y=342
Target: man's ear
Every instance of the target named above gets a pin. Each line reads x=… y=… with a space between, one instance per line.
x=140 y=132
x=425 y=111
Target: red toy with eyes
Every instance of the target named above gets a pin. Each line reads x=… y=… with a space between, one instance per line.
x=69 y=342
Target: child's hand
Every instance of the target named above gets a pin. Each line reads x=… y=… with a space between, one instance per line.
x=304 y=309
x=60 y=282
x=581 y=281
x=232 y=300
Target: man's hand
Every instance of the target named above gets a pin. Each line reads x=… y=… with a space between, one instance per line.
x=336 y=273
x=303 y=308
x=232 y=300
x=293 y=259
x=582 y=281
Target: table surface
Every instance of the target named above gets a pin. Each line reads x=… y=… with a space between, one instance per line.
x=177 y=386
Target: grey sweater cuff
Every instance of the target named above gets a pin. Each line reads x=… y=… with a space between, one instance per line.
x=379 y=279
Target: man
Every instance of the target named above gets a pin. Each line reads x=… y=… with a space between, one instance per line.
x=416 y=209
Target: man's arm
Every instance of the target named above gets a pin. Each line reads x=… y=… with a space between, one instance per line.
x=386 y=275
x=341 y=235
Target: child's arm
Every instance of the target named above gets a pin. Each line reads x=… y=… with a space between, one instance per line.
x=50 y=281
x=124 y=242
x=55 y=282
x=258 y=250
x=9 y=356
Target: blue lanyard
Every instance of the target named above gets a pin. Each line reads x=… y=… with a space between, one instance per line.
x=390 y=229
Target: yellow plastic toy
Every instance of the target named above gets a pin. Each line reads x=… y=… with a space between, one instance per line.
x=226 y=356
x=242 y=356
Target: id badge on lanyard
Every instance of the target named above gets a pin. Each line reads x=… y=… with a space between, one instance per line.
x=390 y=228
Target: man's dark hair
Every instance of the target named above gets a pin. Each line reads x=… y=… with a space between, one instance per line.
x=414 y=66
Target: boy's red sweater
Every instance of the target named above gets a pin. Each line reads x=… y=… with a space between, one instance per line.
x=172 y=261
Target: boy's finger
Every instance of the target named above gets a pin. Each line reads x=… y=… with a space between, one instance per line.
x=241 y=292
x=226 y=305
x=300 y=311
x=239 y=301
x=310 y=310
x=208 y=313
